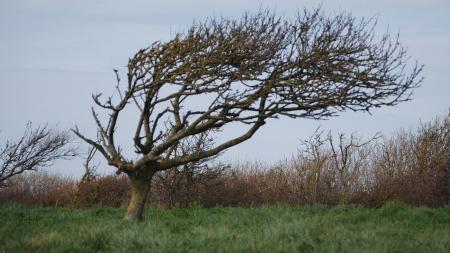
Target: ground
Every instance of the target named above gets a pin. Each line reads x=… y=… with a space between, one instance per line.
x=392 y=228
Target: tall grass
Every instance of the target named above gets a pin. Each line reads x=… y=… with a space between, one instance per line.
x=392 y=228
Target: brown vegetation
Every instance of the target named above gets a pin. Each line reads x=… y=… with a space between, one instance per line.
x=39 y=189
x=412 y=167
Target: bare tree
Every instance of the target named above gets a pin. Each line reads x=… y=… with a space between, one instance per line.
x=224 y=71
x=90 y=170
x=314 y=157
x=90 y=174
x=37 y=148
x=350 y=159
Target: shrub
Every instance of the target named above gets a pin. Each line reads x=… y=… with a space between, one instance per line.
x=41 y=189
x=111 y=190
x=411 y=167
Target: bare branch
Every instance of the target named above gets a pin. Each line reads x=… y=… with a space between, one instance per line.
x=224 y=71
x=37 y=148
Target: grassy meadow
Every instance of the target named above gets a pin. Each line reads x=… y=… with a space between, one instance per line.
x=392 y=228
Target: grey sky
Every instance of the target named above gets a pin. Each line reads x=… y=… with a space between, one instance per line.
x=54 y=54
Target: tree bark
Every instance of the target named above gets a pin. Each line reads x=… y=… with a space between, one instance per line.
x=140 y=188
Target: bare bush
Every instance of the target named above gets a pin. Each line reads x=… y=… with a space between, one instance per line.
x=103 y=191
x=39 y=189
x=333 y=171
x=185 y=184
x=414 y=166
x=410 y=166
x=90 y=174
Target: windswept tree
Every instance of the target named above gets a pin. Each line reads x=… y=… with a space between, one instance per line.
x=36 y=149
x=224 y=71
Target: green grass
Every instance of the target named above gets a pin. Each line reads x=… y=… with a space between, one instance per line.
x=393 y=228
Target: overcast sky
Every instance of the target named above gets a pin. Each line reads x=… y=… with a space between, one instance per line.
x=55 y=54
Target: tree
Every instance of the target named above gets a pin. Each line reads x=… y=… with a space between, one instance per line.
x=223 y=71
x=90 y=174
x=37 y=148
x=335 y=165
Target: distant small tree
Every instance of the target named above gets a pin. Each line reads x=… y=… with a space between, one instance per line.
x=90 y=174
x=337 y=164
x=36 y=149
x=225 y=72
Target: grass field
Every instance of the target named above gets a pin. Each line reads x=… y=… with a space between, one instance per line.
x=393 y=228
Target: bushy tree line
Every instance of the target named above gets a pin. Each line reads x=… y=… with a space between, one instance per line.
x=410 y=166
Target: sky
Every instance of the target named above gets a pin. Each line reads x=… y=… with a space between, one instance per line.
x=55 y=54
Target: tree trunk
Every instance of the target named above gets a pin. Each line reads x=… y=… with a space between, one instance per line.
x=140 y=187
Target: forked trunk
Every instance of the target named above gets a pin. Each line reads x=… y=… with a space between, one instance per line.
x=140 y=187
